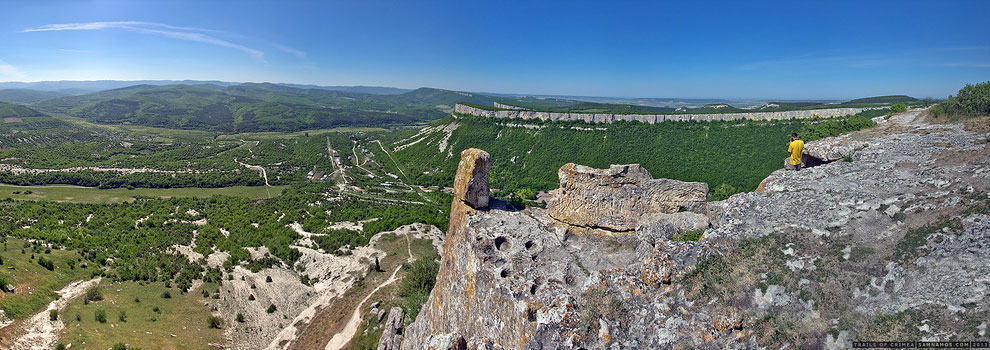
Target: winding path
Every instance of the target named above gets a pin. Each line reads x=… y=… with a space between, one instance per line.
x=40 y=332
x=341 y=339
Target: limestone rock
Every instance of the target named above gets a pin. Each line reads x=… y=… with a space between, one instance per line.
x=651 y=118
x=471 y=181
x=391 y=335
x=662 y=225
x=614 y=199
x=832 y=148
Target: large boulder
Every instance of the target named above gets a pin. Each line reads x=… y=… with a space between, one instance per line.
x=392 y=334
x=471 y=181
x=615 y=199
x=832 y=148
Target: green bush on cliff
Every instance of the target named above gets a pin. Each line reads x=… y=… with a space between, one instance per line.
x=417 y=285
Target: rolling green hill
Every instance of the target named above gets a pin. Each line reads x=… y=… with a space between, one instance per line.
x=884 y=99
x=9 y=110
x=26 y=96
x=256 y=107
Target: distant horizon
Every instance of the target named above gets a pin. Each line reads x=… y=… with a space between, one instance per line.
x=458 y=90
x=746 y=50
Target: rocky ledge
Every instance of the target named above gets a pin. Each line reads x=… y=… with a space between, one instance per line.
x=891 y=245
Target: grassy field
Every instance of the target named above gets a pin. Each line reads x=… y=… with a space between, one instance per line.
x=35 y=285
x=65 y=193
x=181 y=315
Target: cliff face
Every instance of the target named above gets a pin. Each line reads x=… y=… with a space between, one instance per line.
x=653 y=118
x=889 y=246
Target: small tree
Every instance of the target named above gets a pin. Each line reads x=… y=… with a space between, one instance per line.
x=100 y=316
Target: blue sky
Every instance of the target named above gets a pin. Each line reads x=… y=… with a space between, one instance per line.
x=745 y=49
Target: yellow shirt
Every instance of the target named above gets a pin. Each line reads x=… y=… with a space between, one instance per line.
x=796 y=148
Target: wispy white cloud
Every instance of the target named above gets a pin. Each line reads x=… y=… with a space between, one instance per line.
x=295 y=52
x=9 y=72
x=182 y=33
x=968 y=64
x=77 y=51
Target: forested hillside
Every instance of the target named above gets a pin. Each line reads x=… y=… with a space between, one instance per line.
x=8 y=110
x=526 y=155
x=256 y=107
x=25 y=96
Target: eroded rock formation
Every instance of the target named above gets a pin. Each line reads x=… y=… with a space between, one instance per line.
x=889 y=246
x=652 y=118
x=614 y=199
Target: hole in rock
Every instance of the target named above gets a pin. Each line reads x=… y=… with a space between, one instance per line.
x=501 y=243
x=529 y=245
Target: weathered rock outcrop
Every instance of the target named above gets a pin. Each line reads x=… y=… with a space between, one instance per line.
x=832 y=148
x=391 y=335
x=614 y=199
x=471 y=181
x=654 y=118
x=890 y=246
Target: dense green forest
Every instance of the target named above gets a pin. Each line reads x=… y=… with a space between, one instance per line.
x=971 y=101
x=739 y=154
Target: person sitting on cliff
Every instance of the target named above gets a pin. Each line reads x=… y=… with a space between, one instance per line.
x=795 y=148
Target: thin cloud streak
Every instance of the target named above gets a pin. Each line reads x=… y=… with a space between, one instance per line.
x=295 y=52
x=182 y=33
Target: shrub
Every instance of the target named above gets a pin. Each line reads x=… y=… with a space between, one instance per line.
x=417 y=284
x=251 y=297
x=60 y=346
x=898 y=108
x=722 y=192
x=78 y=317
x=166 y=295
x=689 y=235
x=215 y=322
x=53 y=315
x=271 y=308
x=971 y=101
x=46 y=263
x=100 y=316
x=156 y=310
x=240 y=317
x=268 y=279
x=93 y=294
x=122 y=316
x=137 y=299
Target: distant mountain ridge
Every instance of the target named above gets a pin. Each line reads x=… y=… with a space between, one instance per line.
x=256 y=107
